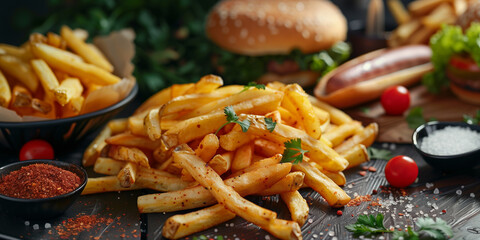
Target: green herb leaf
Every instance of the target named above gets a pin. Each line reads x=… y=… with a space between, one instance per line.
x=436 y=229
x=253 y=84
x=408 y=235
x=381 y=154
x=472 y=120
x=201 y=237
x=293 y=151
x=415 y=117
x=233 y=118
x=270 y=124
x=367 y=225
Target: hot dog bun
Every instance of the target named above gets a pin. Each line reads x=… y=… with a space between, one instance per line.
x=252 y=27
x=365 y=78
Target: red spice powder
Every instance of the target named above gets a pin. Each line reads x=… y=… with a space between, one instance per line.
x=38 y=181
x=358 y=200
x=74 y=226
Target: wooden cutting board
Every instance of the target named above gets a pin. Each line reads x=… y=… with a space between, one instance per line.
x=443 y=107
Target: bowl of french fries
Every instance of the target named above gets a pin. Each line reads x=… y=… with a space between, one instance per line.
x=59 y=87
x=204 y=146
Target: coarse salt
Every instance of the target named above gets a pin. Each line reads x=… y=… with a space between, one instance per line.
x=450 y=141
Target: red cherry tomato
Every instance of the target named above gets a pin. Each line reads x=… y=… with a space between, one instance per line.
x=36 y=149
x=395 y=100
x=401 y=171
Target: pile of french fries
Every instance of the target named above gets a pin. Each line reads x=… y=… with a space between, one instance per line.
x=172 y=144
x=423 y=19
x=51 y=75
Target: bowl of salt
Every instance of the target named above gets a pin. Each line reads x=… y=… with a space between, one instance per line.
x=448 y=146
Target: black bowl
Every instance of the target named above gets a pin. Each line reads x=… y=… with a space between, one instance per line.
x=61 y=133
x=447 y=163
x=41 y=208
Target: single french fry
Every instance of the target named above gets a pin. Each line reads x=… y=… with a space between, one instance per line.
x=422 y=8
x=64 y=61
x=337 y=177
x=74 y=107
x=108 y=166
x=18 y=52
x=135 y=125
x=152 y=124
x=258 y=164
x=179 y=226
x=314 y=178
x=234 y=139
x=117 y=125
x=129 y=154
x=398 y=11
x=206 y=84
x=337 y=116
x=243 y=157
x=5 y=94
x=443 y=14
x=338 y=134
x=19 y=69
x=129 y=140
x=267 y=148
x=105 y=184
x=81 y=48
x=319 y=151
x=296 y=101
x=81 y=34
x=47 y=77
x=292 y=182
x=56 y=41
x=127 y=175
x=221 y=163
x=94 y=149
x=21 y=97
x=43 y=107
x=70 y=88
x=406 y=30
x=246 y=184
x=155 y=101
x=208 y=147
x=366 y=137
x=287 y=116
x=356 y=155
x=232 y=200
x=297 y=206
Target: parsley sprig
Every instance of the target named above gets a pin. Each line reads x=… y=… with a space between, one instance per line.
x=233 y=118
x=381 y=154
x=270 y=124
x=293 y=151
x=253 y=84
x=368 y=225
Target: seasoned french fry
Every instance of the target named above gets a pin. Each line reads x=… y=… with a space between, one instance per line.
x=64 y=61
x=243 y=157
x=82 y=49
x=206 y=84
x=246 y=184
x=337 y=177
x=129 y=140
x=333 y=194
x=5 y=94
x=443 y=14
x=221 y=163
x=127 y=175
x=118 y=126
x=129 y=154
x=74 y=107
x=234 y=139
x=338 y=134
x=152 y=124
x=398 y=11
x=21 y=97
x=105 y=184
x=56 y=41
x=297 y=206
x=267 y=148
x=18 y=52
x=19 y=69
x=46 y=76
x=336 y=115
x=292 y=182
x=258 y=164
x=179 y=89
x=180 y=226
x=70 y=88
x=365 y=137
x=421 y=8
x=356 y=155
x=208 y=147
x=43 y=107
x=232 y=200
x=94 y=149
x=108 y=166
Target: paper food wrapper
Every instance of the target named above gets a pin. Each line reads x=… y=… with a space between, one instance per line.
x=119 y=49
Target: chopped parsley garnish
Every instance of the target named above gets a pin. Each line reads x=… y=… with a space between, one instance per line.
x=381 y=154
x=270 y=124
x=293 y=151
x=233 y=118
x=253 y=84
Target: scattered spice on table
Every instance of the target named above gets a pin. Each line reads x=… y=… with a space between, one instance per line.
x=74 y=226
x=37 y=181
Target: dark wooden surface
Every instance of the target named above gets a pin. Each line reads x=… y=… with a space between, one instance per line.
x=458 y=194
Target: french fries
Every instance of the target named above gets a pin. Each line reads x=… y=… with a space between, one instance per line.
x=206 y=146
x=422 y=19
x=42 y=78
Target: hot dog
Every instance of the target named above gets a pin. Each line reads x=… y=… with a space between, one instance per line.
x=364 y=78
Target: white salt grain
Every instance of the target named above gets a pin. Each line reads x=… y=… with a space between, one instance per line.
x=459 y=192
x=450 y=141
x=436 y=191
x=472 y=194
x=36 y=227
x=48 y=225
x=27 y=223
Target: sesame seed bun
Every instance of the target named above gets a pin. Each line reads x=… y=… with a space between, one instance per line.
x=261 y=27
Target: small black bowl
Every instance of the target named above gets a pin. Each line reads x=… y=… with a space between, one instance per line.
x=46 y=207
x=446 y=163
x=61 y=133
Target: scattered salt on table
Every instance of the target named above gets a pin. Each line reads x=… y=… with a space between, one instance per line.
x=450 y=141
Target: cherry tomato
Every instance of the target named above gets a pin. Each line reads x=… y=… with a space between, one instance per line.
x=395 y=100
x=401 y=171
x=36 y=149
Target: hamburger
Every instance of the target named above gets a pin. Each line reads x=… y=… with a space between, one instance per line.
x=456 y=58
x=294 y=41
